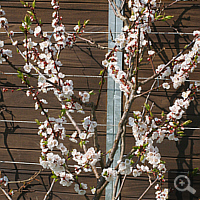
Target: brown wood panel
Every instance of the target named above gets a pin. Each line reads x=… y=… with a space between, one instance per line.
x=67 y=1
x=23 y=142
x=72 y=17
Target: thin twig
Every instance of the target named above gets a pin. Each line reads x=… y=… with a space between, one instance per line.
x=118 y=14
x=120 y=189
x=31 y=178
x=121 y=157
x=148 y=97
x=166 y=65
x=51 y=187
x=150 y=185
x=6 y=194
x=122 y=5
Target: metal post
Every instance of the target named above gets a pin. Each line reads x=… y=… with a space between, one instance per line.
x=114 y=97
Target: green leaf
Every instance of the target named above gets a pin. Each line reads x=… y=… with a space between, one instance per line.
x=142 y=158
x=54 y=176
x=143 y=10
x=63 y=111
x=33 y=4
x=180 y=132
x=91 y=92
x=168 y=17
x=147 y=106
x=136 y=147
x=40 y=21
x=101 y=72
x=131 y=156
x=22 y=28
x=79 y=23
x=30 y=12
x=145 y=145
x=20 y=75
x=37 y=121
x=43 y=158
x=86 y=22
x=45 y=142
x=27 y=82
x=68 y=136
x=132 y=162
x=23 y=3
x=162 y=161
x=27 y=20
x=163 y=114
x=159 y=16
x=187 y=122
x=81 y=144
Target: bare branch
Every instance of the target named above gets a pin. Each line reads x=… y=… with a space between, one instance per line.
x=150 y=185
x=148 y=97
x=6 y=194
x=118 y=13
x=166 y=65
x=51 y=187
x=121 y=187
x=122 y=5
x=31 y=178
x=121 y=157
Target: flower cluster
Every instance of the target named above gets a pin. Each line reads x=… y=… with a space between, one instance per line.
x=125 y=167
x=4 y=52
x=80 y=188
x=3 y=20
x=109 y=174
x=140 y=169
x=118 y=75
x=86 y=160
x=162 y=194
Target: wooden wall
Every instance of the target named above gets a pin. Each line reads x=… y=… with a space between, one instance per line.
x=19 y=141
